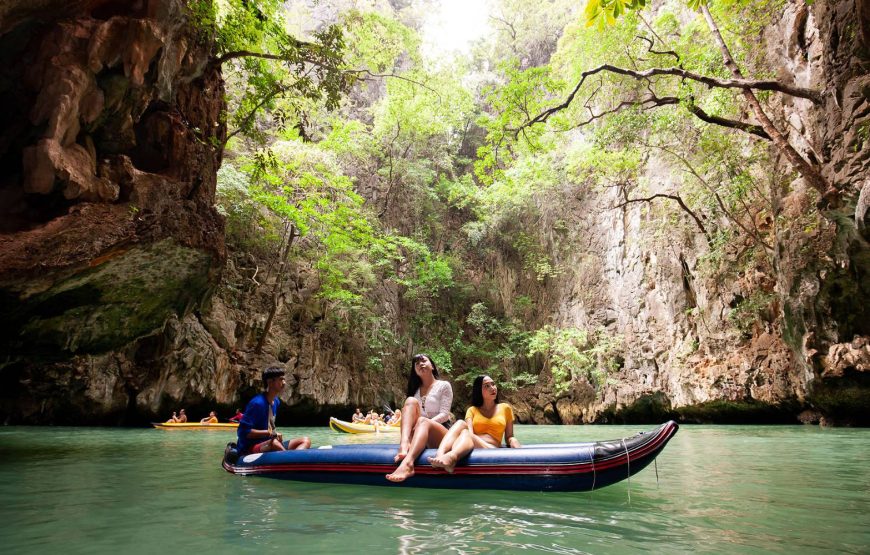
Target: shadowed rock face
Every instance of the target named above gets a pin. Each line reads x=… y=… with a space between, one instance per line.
x=110 y=140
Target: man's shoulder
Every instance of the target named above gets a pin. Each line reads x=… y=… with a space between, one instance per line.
x=258 y=400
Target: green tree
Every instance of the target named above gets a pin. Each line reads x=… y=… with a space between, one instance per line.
x=604 y=12
x=265 y=64
x=570 y=353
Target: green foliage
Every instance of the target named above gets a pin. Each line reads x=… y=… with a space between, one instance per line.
x=234 y=202
x=379 y=191
x=535 y=259
x=521 y=95
x=606 y=12
x=603 y=166
x=862 y=137
x=571 y=353
x=268 y=69
x=491 y=345
x=376 y=42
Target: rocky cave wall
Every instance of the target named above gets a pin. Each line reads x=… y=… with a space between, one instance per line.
x=808 y=357
x=111 y=250
x=115 y=286
x=110 y=140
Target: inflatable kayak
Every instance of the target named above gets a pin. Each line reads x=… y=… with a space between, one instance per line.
x=195 y=426
x=551 y=467
x=357 y=428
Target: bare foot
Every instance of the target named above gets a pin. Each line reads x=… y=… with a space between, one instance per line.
x=400 y=456
x=446 y=462
x=402 y=473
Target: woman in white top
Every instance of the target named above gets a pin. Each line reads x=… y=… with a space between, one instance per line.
x=425 y=416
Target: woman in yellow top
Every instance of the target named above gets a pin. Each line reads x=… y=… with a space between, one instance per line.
x=487 y=422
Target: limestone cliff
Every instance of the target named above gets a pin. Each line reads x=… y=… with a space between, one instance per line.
x=110 y=140
x=806 y=349
x=120 y=302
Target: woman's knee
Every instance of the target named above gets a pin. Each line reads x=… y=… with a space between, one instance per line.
x=411 y=403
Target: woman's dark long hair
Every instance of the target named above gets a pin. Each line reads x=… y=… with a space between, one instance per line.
x=413 y=379
x=477 y=392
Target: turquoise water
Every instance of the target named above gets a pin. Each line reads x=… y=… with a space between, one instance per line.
x=723 y=489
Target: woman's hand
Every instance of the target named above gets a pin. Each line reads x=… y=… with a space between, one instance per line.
x=513 y=442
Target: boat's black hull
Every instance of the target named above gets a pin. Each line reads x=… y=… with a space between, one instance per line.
x=557 y=467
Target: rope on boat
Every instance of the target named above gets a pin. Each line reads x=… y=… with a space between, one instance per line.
x=628 y=465
x=593 y=468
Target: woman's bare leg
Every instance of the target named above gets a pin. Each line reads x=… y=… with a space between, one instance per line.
x=410 y=415
x=452 y=435
x=426 y=434
x=463 y=445
x=421 y=436
x=437 y=433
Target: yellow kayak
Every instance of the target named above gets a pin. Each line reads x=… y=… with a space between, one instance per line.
x=195 y=426
x=355 y=428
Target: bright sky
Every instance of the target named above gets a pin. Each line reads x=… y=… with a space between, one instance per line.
x=454 y=25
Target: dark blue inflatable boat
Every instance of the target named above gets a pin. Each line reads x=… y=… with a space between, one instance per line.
x=551 y=467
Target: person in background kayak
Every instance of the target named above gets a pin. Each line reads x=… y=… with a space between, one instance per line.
x=256 y=431
x=425 y=416
x=238 y=416
x=182 y=417
x=486 y=422
x=210 y=419
x=395 y=418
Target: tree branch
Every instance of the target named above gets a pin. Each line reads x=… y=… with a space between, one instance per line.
x=511 y=30
x=660 y=52
x=807 y=170
x=394 y=76
x=278 y=90
x=656 y=35
x=653 y=101
x=718 y=120
x=229 y=56
x=679 y=201
x=736 y=83
x=712 y=190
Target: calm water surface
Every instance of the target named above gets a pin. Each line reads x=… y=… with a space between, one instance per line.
x=723 y=489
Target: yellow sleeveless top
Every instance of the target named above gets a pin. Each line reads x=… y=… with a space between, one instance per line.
x=494 y=426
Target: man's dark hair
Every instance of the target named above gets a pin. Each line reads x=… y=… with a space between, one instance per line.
x=271 y=372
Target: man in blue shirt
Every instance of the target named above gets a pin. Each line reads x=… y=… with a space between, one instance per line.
x=256 y=431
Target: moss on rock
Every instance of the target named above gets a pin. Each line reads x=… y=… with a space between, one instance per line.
x=111 y=304
x=843 y=401
x=748 y=411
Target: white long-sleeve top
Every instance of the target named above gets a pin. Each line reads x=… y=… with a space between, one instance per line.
x=436 y=404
